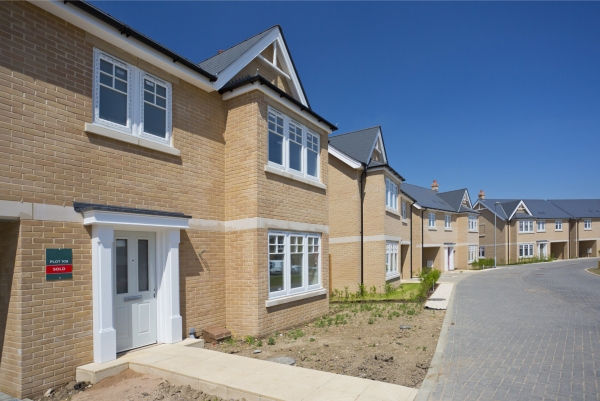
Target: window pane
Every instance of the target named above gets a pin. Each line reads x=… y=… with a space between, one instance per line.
x=276 y=272
x=143 y=268
x=121 y=266
x=161 y=90
x=155 y=120
x=275 y=148
x=120 y=73
x=311 y=163
x=296 y=269
x=106 y=67
x=113 y=106
x=148 y=97
x=120 y=85
x=295 y=156
x=106 y=80
x=149 y=86
x=313 y=269
x=161 y=101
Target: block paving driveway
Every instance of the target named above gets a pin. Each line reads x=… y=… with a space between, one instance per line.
x=524 y=333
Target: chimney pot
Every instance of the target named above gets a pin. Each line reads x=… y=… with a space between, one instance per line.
x=221 y=51
x=435 y=186
x=481 y=195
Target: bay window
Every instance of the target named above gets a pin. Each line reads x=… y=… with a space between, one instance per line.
x=291 y=146
x=294 y=263
x=391 y=258
x=130 y=100
x=473 y=223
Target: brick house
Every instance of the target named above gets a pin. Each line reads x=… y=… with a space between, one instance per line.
x=528 y=228
x=445 y=228
x=369 y=224
x=189 y=194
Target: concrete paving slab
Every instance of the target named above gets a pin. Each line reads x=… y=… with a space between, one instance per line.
x=440 y=297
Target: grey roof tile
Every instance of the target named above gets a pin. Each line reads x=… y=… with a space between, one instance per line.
x=356 y=144
x=425 y=197
x=453 y=198
x=543 y=209
x=579 y=208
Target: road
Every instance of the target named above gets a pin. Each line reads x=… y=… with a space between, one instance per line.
x=527 y=332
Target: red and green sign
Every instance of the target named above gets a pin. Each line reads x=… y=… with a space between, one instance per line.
x=59 y=264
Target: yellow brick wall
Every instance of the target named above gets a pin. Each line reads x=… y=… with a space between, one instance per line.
x=374 y=203
x=345 y=265
x=344 y=199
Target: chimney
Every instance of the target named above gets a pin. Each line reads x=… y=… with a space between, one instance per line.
x=481 y=195
x=220 y=51
x=435 y=186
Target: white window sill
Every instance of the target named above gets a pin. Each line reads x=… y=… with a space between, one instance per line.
x=529 y=232
x=541 y=231
x=392 y=276
x=405 y=221
x=119 y=136
x=276 y=171
x=559 y=231
x=392 y=211
x=586 y=229
x=432 y=228
x=473 y=231
x=447 y=229
x=296 y=297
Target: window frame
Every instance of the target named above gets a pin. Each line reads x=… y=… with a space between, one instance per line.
x=135 y=100
x=472 y=224
x=447 y=222
x=403 y=210
x=526 y=247
x=482 y=252
x=587 y=224
x=285 y=157
x=541 y=223
x=558 y=225
x=431 y=222
x=526 y=226
x=391 y=259
x=472 y=253
x=286 y=269
x=391 y=194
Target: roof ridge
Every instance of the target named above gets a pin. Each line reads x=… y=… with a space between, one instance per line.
x=358 y=130
x=243 y=41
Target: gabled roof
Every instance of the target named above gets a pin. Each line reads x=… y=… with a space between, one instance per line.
x=539 y=209
x=499 y=209
x=543 y=209
x=426 y=198
x=579 y=208
x=228 y=63
x=357 y=144
x=455 y=199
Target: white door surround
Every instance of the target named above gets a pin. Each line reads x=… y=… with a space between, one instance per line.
x=448 y=258
x=166 y=226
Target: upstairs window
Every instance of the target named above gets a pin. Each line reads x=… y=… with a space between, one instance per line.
x=541 y=226
x=391 y=194
x=291 y=146
x=587 y=224
x=404 y=210
x=558 y=225
x=432 y=220
x=447 y=221
x=472 y=223
x=525 y=226
x=130 y=100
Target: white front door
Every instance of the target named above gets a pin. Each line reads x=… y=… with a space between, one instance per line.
x=543 y=250
x=134 y=289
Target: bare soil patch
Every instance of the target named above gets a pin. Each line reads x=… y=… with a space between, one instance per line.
x=356 y=339
x=128 y=386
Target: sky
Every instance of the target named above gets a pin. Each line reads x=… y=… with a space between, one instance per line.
x=499 y=96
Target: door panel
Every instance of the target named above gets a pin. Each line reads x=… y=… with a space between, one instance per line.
x=134 y=296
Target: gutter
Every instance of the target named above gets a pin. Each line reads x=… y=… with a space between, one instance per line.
x=386 y=165
x=130 y=32
x=257 y=78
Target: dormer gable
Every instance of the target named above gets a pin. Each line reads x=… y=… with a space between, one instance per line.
x=378 y=150
x=266 y=55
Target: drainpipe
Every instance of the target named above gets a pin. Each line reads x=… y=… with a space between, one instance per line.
x=411 y=241
x=363 y=179
x=422 y=233
x=508 y=241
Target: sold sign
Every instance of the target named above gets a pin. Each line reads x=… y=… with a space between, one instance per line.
x=59 y=264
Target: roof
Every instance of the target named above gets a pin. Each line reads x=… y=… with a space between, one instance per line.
x=357 y=144
x=543 y=209
x=579 y=208
x=219 y=62
x=498 y=210
x=426 y=198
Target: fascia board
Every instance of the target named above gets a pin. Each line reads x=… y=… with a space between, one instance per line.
x=283 y=50
x=338 y=154
x=377 y=138
x=107 y=33
x=275 y=96
x=468 y=198
x=516 y=208
x=133 y=220
x=417 y=206
x=490 y=209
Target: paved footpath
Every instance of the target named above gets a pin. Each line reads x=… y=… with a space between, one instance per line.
x=524 y=333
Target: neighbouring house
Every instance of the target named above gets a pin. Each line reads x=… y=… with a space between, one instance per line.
x=584 y=229
x=144 y=194
x=525 y=228
x=369 y=224
x=444 y=228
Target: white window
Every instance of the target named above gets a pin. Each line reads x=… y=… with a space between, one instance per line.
x=391 y=258
x=447 y=221
x=391 y=194
x=541 y=225
x=587 y=224
x=558 y=225
x=481 y=252
x=291 y=146
x=472 y=253
x=472 y=223
x=431 y=219
x=526 y=250
x=130 y=100
x=404 y=210
x=525 y=226
x=294 y=263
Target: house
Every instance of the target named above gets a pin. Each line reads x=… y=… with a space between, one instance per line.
x=525 y=228
x=444 y=228
x=144 y=194
x=584 y=225
x=369 y=224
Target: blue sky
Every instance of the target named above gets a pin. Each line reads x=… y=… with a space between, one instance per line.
x=501 y=96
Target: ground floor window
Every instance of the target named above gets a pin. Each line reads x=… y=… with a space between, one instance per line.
x=472 y=253
x=481 y=252
x=391 y=258
x=526 y=250
x=294 y=263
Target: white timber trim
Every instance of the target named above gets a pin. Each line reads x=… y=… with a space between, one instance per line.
x=295 y=297
x=338 y=154
x=273 y=66
x=109 y=34
x=517 y=208
x=133 y=220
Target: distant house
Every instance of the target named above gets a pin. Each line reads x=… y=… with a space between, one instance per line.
x=584 y=231
x=444 y=228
